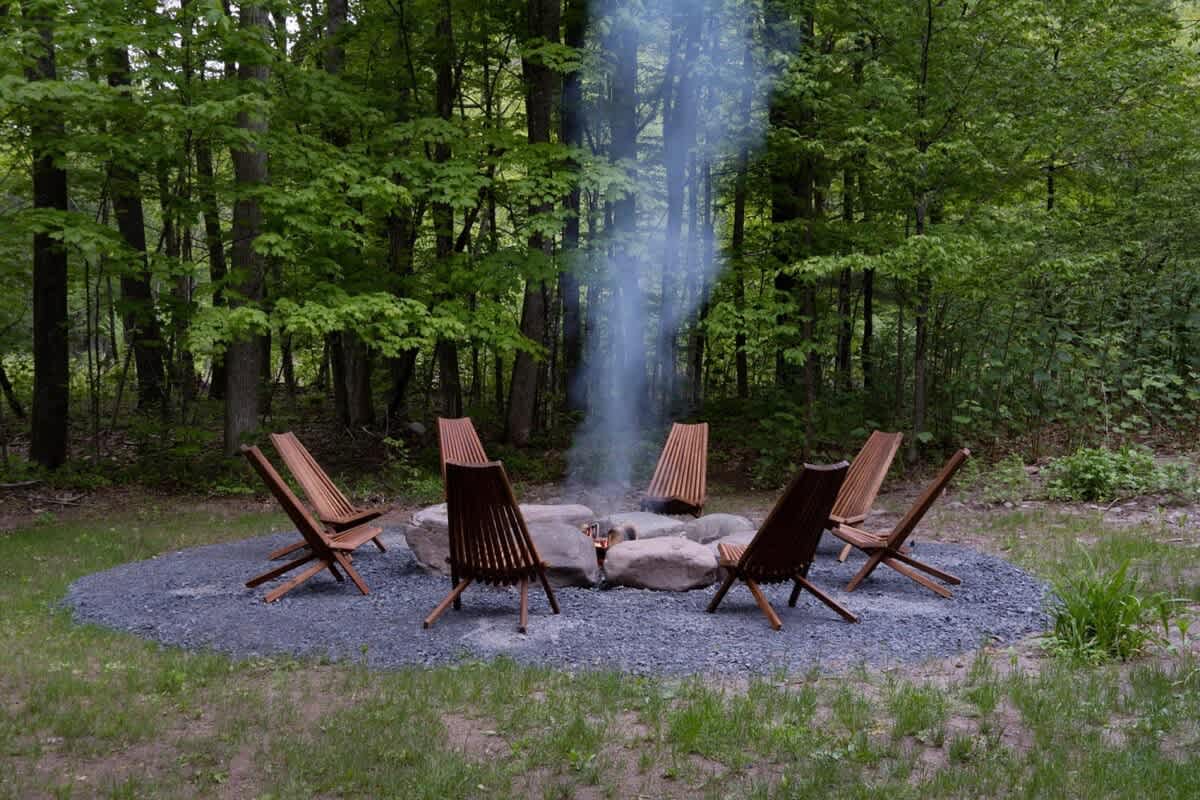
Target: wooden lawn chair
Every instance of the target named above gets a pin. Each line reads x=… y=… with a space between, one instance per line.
x=785 y=545
x=458 y=442
x=887 y=549
x=679 y=484
x=863 y=480
x=332 y=507
x=489 y=542
x=329 y=552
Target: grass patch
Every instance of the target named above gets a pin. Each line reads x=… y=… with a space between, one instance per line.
x=90 y=712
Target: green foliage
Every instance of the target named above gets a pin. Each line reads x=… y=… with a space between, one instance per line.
x=1097 y=473
x=1100 y=613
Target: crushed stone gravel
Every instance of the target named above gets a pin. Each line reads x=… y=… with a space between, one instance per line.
x=197 y=599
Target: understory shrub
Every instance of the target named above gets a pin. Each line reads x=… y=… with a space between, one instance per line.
x=1097 y=473
x=1101 y=615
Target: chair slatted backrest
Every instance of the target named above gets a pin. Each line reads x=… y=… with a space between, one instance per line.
x=322 y=492
x=932 y=492
x=865 y=476
x=488 y=538
x=458 y=442
x=681 y=473
x=787 y=541
x=309 y=528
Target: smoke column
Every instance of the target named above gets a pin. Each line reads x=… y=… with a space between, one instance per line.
x=652 y=267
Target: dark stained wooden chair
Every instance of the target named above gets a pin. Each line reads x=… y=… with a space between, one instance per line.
x=785 y=545
x=328 y=552
x=680 y=482
x=867 y=471
x=888 y=548
x=458 y=442
x=489 y=542
x=332 y=507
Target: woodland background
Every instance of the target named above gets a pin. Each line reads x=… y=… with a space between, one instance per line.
x=974 y=221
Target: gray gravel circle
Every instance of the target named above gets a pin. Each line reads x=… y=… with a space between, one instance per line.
x=196 y=599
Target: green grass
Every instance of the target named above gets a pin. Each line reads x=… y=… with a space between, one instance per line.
x=86 y=712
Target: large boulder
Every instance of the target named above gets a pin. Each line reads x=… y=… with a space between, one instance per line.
x=569 y=555
x=647 y=525
x=712 y=527
x=671 y=564
x=436 y=516
x=430 y=547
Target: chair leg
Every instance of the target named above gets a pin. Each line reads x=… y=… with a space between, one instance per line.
x=379 y=544
x=549 y=590
x=453 y=583
x=450 y=598
x=344 y=560
x=333 y=568
x=279 y=592
x=524 y=606
x=824 y=598
x=842 y=556
x=275 y=573
x=918 y=577
x=720 y=595
x=795 y=595
x=763 y=603
x=935 y=572
x=866 y=570
x=283 y=551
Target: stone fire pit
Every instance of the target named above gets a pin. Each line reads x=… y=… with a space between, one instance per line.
x=670 y=553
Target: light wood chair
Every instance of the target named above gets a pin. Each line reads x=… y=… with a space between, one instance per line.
x=332 y=507
x=328 y=552
x=785 y=545
x=680 y=481
x=888 y=548
x=489 y=542
x=458 y=442
x=867 y=471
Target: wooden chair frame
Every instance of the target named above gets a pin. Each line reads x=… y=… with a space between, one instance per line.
x=459 y=442
x=680 y=481
x=332 y=507
x=786 y=544
x=889 y=549
x=867 y=471
x=328 y=552
x=489 y=542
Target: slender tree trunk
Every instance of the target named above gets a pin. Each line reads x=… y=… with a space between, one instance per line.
x=17 y=409
x=443 y=213
x=139 y=315
x=845 y=286
x=738 y=236
x=924 y=283
x=543 y=19
x=51 y=354
x=243 y=358
x=575 y=17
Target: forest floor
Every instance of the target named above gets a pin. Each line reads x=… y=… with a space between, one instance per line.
x=88 y=712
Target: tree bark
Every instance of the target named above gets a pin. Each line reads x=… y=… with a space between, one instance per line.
x=737 y=242
x=543 y=20
x=51 y=355
x=243 y=358
x=575 y=17
x=138 y=315
x=443 y=213
x=920 y=213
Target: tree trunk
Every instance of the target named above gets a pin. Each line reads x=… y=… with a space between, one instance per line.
x=243 y=358
x=679 y=138
x=738 y=236
x=214 y=241
x=443 y=213
x=924 y=283
x=51 y=354
x=539 y=100
x=138 y=316
x=575 y=17
x=10 y=396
